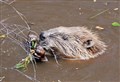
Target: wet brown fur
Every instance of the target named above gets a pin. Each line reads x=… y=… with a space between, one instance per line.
x=76 y=43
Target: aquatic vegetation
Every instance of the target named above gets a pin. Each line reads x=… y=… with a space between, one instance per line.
x=18 y=34
x=22 y=65
x=115 y=24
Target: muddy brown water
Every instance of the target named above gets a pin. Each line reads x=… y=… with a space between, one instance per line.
x=53 y=13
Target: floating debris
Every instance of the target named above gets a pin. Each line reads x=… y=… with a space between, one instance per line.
x=4 y=51
x=1 y=78
x=76 y=68
x=80 y=11
x=2 y=36
x=31 y=23
x=106 y=3
x=79 y=8
x=59 y=81
x=116 y=24
x=94 y=0
x=115 y=9
x=99 y=27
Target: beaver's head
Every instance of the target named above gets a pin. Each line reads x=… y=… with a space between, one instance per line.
x=72 y=42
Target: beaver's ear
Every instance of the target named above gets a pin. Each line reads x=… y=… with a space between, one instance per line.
x=91 y=47
x=88 y=43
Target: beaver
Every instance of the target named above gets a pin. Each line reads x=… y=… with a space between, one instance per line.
x=73 y=43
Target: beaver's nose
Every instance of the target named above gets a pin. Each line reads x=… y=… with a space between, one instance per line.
x=42 y=37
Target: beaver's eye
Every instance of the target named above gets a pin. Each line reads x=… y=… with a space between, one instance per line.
x=42 y=37
x=65 y=37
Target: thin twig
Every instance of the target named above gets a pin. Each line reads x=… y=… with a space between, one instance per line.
x=54 y=56
x=20 y=31
x=99 y=14
x=1 y=78
x=16 y=41
x=12 y=2
x=33 y=79
x=20 y=44
x=4 y=20
x=20 y=14
x=29 y=77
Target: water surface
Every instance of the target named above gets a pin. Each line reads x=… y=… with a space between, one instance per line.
x=50 y=14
